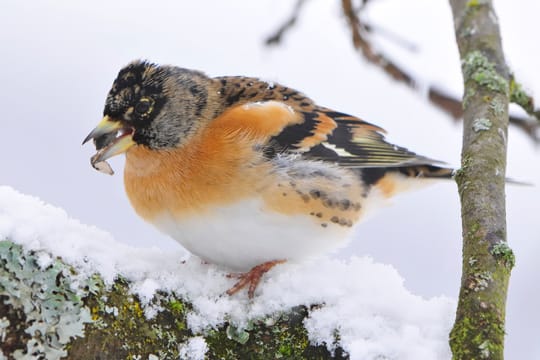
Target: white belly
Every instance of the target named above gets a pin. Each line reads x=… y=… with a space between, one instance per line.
x=244 y=235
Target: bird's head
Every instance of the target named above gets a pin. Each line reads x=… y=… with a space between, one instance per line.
x=150 y=105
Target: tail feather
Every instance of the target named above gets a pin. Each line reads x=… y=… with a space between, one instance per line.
x=390 y=181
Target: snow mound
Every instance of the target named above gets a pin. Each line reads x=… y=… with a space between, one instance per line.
x=365 y=302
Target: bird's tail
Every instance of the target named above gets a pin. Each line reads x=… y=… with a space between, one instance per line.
x=393 y=180
x=390 y=181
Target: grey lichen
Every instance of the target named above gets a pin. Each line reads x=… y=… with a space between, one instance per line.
x=503 y=253
x=469 y=93
x=497 y=107
x=478 y=68
x=481 y=281
x=484 y=349
x=54 y=311
x=46 y=305
x=481 y=124
x=240 y=335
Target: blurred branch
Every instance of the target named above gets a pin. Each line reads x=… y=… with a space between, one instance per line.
x=447 y=103
x=276 y=38
x=453 y=107
x=360 y=43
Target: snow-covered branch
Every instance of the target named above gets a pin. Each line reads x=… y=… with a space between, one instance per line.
x=67 y=289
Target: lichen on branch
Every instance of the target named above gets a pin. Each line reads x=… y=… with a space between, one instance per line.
x=478 y=331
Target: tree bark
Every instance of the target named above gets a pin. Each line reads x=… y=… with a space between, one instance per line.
x=478 y=332
x=47 y=311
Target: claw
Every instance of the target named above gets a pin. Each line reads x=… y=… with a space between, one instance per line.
x=252 y=278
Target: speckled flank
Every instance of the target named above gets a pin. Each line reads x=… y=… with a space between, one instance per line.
x=305 y=188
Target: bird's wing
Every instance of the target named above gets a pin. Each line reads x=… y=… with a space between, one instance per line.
x=349 y=141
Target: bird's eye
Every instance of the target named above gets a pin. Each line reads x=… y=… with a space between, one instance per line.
x=144 y=106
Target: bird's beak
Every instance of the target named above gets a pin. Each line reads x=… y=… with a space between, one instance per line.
x=110 y=138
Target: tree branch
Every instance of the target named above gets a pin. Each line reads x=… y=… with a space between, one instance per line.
x=50 y=312
x=276 y=38
x=447 y=103
x=478 y=331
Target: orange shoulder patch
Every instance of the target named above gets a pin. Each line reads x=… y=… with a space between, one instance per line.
x=260 y=119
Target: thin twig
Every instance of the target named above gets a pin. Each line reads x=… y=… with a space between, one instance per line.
x=276 y=38
x=449 y=104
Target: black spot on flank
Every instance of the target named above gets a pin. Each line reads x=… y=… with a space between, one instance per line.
x=304 y=104
x=305 y=198
x=334 y=219
x=324 y=225
x=315 y=194
x=223 y=82
x=284 y=194
x=343 y=222
x=356 y=206
x=312 y=213
x=319 y=214
x=329 y=203
x=344 y=204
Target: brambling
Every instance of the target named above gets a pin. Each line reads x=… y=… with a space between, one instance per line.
x=246 y=173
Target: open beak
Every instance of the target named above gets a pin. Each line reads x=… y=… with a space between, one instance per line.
x=110 y=138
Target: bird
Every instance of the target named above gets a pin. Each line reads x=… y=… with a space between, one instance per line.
x=245 y=173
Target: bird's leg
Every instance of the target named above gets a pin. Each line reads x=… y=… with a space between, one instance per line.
x=252 y=277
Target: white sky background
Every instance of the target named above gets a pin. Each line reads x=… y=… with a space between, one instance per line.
x=59 y=59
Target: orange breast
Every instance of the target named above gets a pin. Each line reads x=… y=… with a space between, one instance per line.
x=218 y=166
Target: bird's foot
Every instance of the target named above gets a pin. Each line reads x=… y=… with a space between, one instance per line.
x=252 y=277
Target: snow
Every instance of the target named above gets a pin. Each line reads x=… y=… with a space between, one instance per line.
x=365 y=301
x=194 y=349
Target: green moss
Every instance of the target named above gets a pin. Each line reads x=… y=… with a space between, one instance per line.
x=476 y=3
x=520 y=97
x=470 y=92
x=114 y=321
x=122 y=331
x=282 y=337
x=478 y=68
x=476 y=337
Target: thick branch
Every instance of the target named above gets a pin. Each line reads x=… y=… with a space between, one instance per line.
x=49 y=312
x=478 y=331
